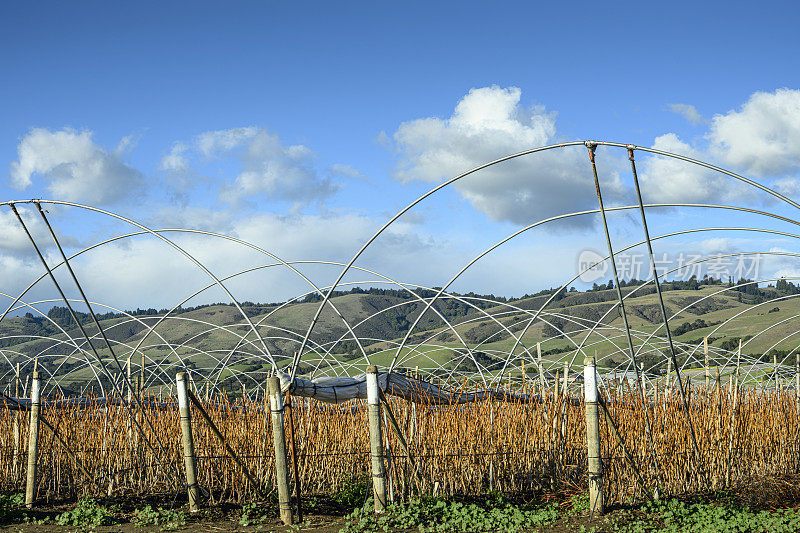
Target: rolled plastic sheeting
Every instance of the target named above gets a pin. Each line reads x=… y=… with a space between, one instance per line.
x=342 y=389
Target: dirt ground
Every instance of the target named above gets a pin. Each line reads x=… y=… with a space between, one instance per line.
x=226 y=518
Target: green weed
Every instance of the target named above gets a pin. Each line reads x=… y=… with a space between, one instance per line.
x=674 y=516
x=430 y=515
x=87 y=514
x=253 y=514
x=168 y=519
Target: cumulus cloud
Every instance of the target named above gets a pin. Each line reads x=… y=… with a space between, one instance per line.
x=346 y=171
x=12 y=236
x=489 y=123
x=74 y=167
x=762 y=136
x=666 y=179
x=176 y=161
x=267 y=168
x=687 y=111
x=144 y=271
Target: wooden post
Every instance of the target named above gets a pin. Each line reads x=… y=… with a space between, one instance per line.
x=189 y=459
x=376 y=440
x=595 y=468
x=33 y=442
x=279 y=441
x=708 y=370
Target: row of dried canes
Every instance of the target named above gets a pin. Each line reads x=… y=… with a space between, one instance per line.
x=468 y=449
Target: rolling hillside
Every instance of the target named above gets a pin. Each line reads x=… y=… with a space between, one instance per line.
x=217 y=340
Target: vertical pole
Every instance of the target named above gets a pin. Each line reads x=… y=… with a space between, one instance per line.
x=33 y=442
x=188 y=443
x=595 y=468
x=376 y=439
x=542 y=386
x=279 y=441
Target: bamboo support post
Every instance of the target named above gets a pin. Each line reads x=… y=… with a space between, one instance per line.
x=33 y=442
x=279 y=441
x=595 y=468
x=189 y=458
x=376 y=440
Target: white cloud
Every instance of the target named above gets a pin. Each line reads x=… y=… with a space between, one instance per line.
x=145 y=272
x=666 y=179
x=687 y=111
x=215 y=142
x=267 y=168
x=176 y=161
x=12 y=236
x=789 y=187
x=74 y=167
x=489 y=123
x=346 y=171
x=762 y=136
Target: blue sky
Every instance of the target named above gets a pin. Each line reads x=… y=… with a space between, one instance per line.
x=302 y=127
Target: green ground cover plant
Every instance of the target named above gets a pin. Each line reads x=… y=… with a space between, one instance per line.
x=674 y=516
x=167 y=519
x=88 y=513
x=433 y=515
